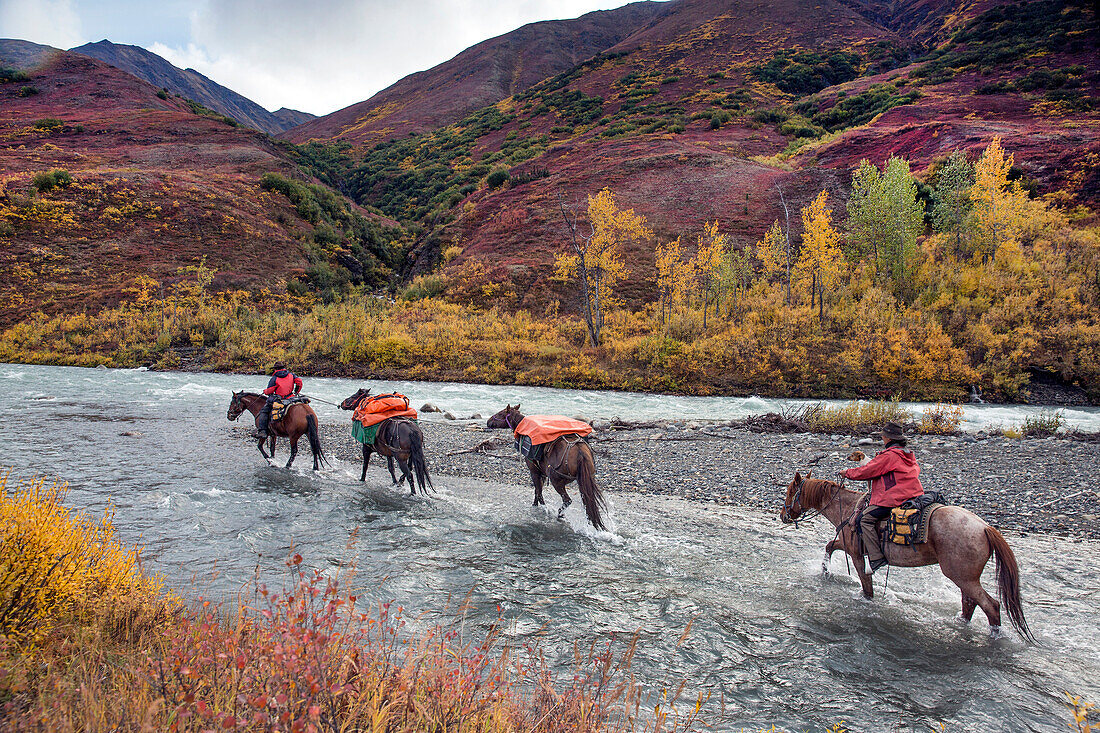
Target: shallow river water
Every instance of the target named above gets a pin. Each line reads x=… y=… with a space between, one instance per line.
x=773 y=640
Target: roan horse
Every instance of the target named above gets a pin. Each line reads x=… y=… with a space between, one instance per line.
x=563 y=462
x=300 y=420
x=396 y=438
x=959 y=540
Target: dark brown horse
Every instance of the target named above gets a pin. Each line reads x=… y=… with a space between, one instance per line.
x=300 y=420
x=396 y=438
x=958 y=540
x=564 y=461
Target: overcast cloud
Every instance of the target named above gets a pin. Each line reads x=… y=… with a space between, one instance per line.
x=315 y=56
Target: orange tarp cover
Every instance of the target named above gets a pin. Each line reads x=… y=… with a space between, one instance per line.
x=374 y=410
x=546 y=428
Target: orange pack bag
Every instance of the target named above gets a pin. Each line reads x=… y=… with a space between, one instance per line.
x=374 y=410
x=547 y=428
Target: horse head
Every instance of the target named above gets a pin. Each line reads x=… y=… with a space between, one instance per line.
x=792 y=504
x=509 y=418
x=352 y=402
x=236 y=406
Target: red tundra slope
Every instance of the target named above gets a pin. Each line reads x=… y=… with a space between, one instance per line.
x=685 y=121
x=154 y=187
x=479 y=76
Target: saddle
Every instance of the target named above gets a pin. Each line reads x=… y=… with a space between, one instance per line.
x=282 y=405
x=907 y=524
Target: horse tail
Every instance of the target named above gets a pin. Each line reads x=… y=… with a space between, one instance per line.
x=1008 y=581
x=315 y=439
x=591 y=495
x=416 y=459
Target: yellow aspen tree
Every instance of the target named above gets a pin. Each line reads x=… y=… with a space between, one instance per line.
x=774 y=254
x=820 y=261
x=595 y=261
x=999 y=204
x=674 y=276
x=708 y=266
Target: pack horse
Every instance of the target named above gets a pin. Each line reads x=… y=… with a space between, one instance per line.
x=554 y=448
x=386 y=424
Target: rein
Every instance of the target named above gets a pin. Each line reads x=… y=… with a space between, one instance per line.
x=809 y=513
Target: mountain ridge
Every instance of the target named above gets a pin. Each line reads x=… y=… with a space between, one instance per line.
x=188 y=83
x=481 y=75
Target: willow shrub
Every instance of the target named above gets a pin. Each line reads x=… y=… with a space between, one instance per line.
x=57 y=566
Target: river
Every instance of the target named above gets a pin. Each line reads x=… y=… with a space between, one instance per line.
x=770 y=637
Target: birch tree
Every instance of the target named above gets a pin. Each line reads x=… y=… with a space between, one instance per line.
x=820 y=261
x=594 y=261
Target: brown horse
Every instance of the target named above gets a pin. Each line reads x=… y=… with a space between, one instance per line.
x=564 y=461
x=396 y=438
x=300 y=420
x=959 y=540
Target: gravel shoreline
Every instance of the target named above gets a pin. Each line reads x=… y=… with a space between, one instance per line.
x=1037 y=485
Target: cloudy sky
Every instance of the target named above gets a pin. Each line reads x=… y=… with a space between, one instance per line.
x=313 y=55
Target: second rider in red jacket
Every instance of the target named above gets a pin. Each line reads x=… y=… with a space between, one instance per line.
x=895 y=478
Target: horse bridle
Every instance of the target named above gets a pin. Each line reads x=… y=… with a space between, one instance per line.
x=796 y=499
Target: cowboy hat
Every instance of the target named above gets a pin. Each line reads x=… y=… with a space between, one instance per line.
x=893 y=431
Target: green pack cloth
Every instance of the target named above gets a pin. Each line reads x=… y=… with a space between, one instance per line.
x=368 y=434
x=364 y=434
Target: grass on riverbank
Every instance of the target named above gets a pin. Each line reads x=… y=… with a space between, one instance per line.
x=90 y=642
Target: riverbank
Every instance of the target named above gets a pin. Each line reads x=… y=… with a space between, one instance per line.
x=1021 y=485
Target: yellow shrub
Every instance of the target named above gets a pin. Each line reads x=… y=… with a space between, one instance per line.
x=55 y=564
x=941 y=419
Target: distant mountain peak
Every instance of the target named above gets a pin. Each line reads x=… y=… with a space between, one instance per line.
x=188 y=83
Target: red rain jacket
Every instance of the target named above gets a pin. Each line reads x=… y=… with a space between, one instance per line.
x=894 y=476
x=283 y=384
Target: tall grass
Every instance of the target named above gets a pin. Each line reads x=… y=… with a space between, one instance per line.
x=856 y=416
x=90 y=642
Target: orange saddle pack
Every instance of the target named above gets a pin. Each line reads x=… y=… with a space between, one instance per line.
x=374 y=410
x=548 y=428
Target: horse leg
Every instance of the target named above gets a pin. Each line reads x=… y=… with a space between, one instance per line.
x=829 y=549
x=968 y=606
x=366 y=460
x=293 y=450
x=389 y=462
x=559 y=485
x=537 y=479
x=260 y=445
x=864 y=578
x=973 y=594
x=406 y=472
x=271 y=445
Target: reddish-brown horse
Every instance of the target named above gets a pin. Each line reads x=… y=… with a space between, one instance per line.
x=958 y=540
x=300 y=420
x=564 y=461
x=396 y=438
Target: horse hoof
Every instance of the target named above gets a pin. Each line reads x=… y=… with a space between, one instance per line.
x=825 y=568
x=995 y=632
x=960 y=619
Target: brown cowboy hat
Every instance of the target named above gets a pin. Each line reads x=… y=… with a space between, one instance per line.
x=893 y=431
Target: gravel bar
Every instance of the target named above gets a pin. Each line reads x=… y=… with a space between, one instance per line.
x=1033 y=485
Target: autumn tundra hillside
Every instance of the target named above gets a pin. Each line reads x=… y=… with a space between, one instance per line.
x=109 y=185
x=799 y=198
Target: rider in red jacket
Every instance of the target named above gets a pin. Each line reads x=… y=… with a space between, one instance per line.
x=283 y=383
x=895 y=478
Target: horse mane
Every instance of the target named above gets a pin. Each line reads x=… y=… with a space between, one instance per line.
x=816 y=490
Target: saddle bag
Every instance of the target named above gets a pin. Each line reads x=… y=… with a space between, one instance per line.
x=906 y=523
x=280 y=406
x=901 y=527
x=532 y=452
